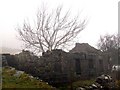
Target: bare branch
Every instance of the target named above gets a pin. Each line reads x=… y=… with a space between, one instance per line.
x=52 y=30
x=108 y=42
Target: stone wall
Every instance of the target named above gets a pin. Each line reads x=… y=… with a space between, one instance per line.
x=74 y=65
x=59 y=66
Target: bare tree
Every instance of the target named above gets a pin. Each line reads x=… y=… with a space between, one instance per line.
x=108 y=42
x=52 y=30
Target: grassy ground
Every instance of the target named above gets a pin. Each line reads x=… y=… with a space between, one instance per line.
x=24 y=81
x=0 y=78
x=118 y=84
x=84 y=83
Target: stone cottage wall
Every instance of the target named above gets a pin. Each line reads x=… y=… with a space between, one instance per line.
x=59 y=66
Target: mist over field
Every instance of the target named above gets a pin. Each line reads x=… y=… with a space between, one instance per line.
x=9 y=50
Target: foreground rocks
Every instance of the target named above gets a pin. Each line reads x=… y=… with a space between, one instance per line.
x=103 y=82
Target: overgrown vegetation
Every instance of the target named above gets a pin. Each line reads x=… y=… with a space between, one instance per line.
x=24 y=81
x=9 y=80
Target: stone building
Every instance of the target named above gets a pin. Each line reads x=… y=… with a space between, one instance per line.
x=82 y=62
x=94 y=63
x=58 y=66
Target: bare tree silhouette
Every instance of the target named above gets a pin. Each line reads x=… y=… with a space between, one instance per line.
x=52 y=30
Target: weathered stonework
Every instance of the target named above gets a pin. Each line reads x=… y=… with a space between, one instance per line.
x=82 y=62
x=74 y=65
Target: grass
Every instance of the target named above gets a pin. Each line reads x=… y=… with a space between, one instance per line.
x=118 y=84
x=83 y=83
x=24 y=81
x=76 y=84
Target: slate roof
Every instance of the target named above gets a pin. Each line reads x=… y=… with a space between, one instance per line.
x=84 y=48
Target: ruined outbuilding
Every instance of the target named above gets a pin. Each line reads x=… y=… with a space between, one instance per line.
x=82 y=62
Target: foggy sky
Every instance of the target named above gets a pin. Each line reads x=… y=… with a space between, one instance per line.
x=102 y=16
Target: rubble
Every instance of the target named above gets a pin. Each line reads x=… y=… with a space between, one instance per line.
x=103 y=82
x=18 y=73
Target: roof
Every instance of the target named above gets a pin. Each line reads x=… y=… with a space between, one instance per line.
x=84 y=48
